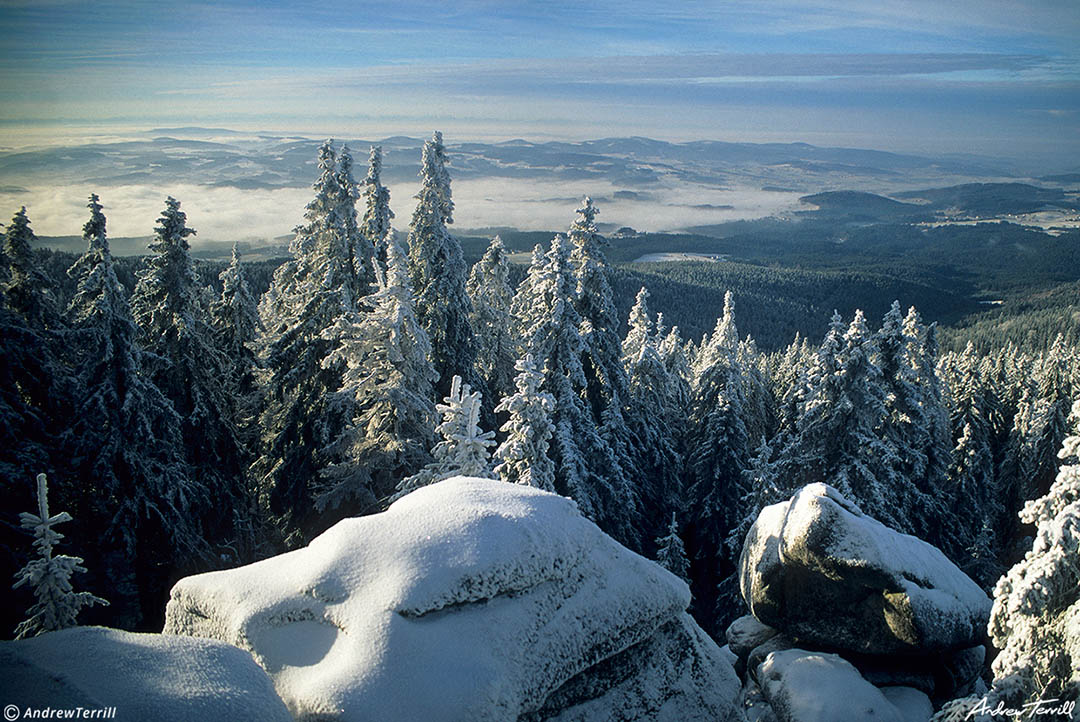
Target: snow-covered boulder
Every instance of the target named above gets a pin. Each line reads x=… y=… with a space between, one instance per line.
x=143 y=676
x=469 y=599
x=803 y=686
x=747 y=632
x=820 y=570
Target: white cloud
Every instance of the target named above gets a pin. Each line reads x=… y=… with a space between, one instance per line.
x=229 y=214
x=221 y=214
x=538 y=205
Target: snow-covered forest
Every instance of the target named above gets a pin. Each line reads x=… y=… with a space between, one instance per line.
x=186 y=430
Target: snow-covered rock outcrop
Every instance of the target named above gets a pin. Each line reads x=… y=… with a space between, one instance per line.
x=469 y=599
x=850 y=619
x=143 y=676
x=820 y=570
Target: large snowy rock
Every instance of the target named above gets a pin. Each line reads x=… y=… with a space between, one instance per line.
x=143 y=676
x=747 y=632
x=820 y=570
x=803 y=686
x=469 y=599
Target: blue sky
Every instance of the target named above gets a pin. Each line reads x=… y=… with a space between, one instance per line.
x=975 y=76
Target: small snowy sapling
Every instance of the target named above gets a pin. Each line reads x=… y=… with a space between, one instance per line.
x=57 y=604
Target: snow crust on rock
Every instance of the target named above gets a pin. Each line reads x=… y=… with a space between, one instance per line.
x=157 y=677
x=913 y=705
x=803 y=686
x=819 y=569
x=469 y=599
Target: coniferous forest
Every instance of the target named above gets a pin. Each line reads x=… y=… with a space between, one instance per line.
x=190 y=423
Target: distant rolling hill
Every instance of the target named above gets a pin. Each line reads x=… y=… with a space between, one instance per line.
x=993 y=199
x=857 y=204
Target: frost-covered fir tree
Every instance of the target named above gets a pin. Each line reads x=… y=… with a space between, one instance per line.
x=552 y=334
x=523 y=457
x=1035 y=620
x=57 y=604
x=915 y=425
x=438 y=274
x=302 y=412
x=671 y=554
x=489 y=289
x=125 y=436
x=387 y=381
x=718 y=450
x=640 y=329
x=235 y=320
x=27 y=290
x=184 y=362
x=653 y=398
x=463 y=449
x=673 y=354
x=359 y=248
x=375 y=225
x=1045 y=413
x=972 y=492
x=606 y=386
x=34 y=382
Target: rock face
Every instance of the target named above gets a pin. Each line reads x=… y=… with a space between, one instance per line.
x=469 y=599
x=820 y=570
x=144 y=676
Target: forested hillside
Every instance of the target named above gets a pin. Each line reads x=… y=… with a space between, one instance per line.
x=195 y=416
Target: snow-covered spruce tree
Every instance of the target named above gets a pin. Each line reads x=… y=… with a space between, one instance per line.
x=28 y=290
x=582 y=457
x=718 y=450
x=235 y=320
x=789 y=381
x=1035 y=620
x=673 y=354
x=49 y=577
x=184 y=362
x=640 y=329
x=489 y=289
x=523 y=457
x=1045 y=417
x=438 y=274
x=660 y=417
x=125 y=443
x=302 y=411
x=1028 y=462
x=972 y=492
x=671 y=554
x=463 y=449
x=387 y=381
x=375 y=225
x=34 y=382
x=521 y=312
x=915 y=423
x=360 y=249
x=606 y=386
x=837 y=437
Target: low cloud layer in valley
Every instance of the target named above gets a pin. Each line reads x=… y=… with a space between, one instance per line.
x=251 y=187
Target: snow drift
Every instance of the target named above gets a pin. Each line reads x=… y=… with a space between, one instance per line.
x=469 y=599
x=143 y=676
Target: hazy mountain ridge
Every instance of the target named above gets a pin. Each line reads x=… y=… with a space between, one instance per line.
x=224 y=157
